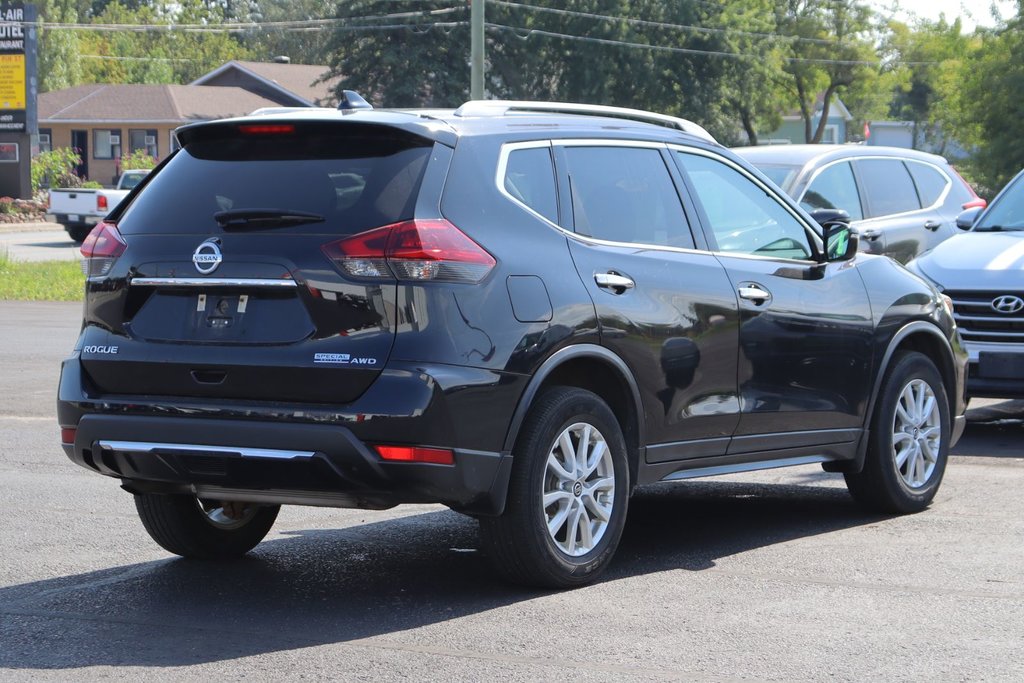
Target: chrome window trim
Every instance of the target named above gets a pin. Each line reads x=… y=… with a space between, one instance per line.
x=211 y=282
x=243 y=451
x=845 y=160
x=499 y=180
x=770 y=191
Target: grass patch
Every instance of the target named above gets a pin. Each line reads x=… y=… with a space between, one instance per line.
x=40 y=281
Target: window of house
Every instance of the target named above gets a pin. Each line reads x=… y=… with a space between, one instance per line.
x=830 y=136
x=145 y=140
x=106 y=143
x=624 y=194
x=45 y=138
x=834 y=188
x=887 y=187
x=530 y=178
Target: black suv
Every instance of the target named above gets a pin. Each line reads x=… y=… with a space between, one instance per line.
x=519 y=310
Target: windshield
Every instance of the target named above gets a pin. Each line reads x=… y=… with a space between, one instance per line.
x=780 y=175
x=1007 y=212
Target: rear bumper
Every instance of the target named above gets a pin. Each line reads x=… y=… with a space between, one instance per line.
x=80 y=219
x=311 y=455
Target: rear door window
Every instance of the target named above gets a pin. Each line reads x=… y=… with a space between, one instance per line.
x=930 y=182
x=625 y=194
x=356 y=180
x=530 y=178
x=834 y=188
x=887 y=187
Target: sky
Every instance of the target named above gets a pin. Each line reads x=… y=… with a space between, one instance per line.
x=977 y=15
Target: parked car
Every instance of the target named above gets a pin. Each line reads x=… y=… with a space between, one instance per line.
x=902 y=202
x=79 y=209
x=982 y=271
x=519 y=310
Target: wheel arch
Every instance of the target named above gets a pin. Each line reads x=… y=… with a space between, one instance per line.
x=924 y=338
x=596 y=369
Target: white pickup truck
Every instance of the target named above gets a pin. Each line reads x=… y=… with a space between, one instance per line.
x=79 y=209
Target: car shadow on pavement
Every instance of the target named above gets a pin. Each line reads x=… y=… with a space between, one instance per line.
x=320 y=587
x=994 y=430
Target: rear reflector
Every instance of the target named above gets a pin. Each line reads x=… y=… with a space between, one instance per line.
x=267 y=129
x=67 y=434
x=437 y=456
x=417 y=250
x=101 y=248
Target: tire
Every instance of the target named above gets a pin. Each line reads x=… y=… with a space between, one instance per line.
x=78 y=233
x=908 y=447
x=183 y=525
x=579 y=548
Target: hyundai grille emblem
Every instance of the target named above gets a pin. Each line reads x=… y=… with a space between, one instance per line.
x=1008 y=304
x=207 y=256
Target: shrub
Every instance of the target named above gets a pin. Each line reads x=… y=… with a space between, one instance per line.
x=137 y=160
x=55 y=168
x=7 y=205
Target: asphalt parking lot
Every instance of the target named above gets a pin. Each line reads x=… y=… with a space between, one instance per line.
x=773 y=576
x=37 y=242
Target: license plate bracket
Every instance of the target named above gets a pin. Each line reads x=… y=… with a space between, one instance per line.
x=1001 y=365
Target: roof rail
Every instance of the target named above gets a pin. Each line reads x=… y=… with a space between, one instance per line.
x=501 y=107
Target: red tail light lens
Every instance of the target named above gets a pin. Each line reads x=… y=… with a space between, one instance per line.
x=101 y=202
x=417 y=251
x=436 y=456
x=978 y=203
x=101 y=249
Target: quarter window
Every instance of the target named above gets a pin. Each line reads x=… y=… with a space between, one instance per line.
x=625 y=194
x=834 y=188
x=931 y=183
x=887 y=187
x=743 y=216
x=530 y=178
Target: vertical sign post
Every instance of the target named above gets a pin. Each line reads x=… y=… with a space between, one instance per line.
x=18 y=90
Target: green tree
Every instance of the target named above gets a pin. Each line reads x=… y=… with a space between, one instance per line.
x=59 y=65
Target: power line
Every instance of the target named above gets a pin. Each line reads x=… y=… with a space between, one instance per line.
x=664 y=25
x=684 y=50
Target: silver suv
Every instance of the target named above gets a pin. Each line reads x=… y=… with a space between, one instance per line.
x=981 y=270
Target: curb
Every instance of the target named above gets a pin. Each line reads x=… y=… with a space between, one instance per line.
x=6 y=228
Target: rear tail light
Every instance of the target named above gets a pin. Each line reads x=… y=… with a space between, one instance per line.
x=435 y=456
x=101 y=202
x=417 y=251
x=978 y=203
x=101 y=249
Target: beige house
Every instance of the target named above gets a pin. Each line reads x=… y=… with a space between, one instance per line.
x=105 y=121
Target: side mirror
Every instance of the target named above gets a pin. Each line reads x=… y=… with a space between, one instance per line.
x=825 y=216
x=841 y=242
x=966 y=220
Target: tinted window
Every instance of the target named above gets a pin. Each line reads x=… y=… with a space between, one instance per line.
x=780 y=175
x=930 y=182
x=1007 y=212
x=743 y=217
x=625 y=195
x=834 y=188
x=887 y=187
x=530 y=178
x=355 y=182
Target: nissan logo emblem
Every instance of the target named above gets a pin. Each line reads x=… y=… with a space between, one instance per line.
x=1008 y=304
x=207 y=256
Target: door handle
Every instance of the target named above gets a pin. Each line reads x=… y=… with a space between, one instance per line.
x=932 y=225
x=613 y=281
x=870 y=234
x=751 y=291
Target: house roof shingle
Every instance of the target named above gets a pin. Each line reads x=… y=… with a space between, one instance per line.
x=299 y=79
x=146 y=103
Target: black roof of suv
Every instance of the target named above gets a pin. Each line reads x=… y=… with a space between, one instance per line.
x=519 y=310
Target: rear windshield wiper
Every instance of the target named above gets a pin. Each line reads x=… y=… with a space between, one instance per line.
x=264 y=218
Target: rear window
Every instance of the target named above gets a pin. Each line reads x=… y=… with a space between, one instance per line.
x=357 y=182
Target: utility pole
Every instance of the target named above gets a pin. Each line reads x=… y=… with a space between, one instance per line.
x=476 y=50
